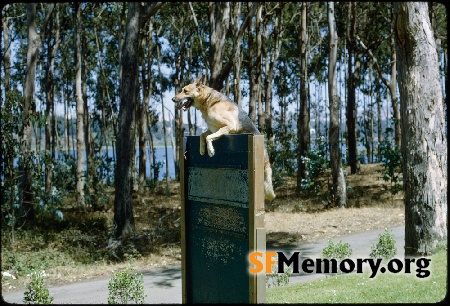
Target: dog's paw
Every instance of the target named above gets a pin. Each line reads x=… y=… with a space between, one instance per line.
x=211 y=151
x=269 y=194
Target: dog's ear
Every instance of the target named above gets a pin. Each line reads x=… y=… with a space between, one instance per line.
x=198 y=81
x=203 y=80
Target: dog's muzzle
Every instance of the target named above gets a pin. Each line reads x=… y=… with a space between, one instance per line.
x=180 y=105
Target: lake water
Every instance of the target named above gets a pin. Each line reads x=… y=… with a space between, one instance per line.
x=160 y=156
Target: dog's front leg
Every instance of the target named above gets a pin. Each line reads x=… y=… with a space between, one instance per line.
x=203 y=141
x=210 y=138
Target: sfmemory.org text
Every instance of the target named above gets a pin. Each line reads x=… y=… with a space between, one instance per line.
x=259 y=260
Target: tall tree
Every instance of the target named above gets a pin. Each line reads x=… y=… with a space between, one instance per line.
x=353 y=77
x=28 y=109
x=339 y=195
x=219 y=17
x=81 y=144
x=274 y=14
x=123 y=210
x=129 y=91
x=52 y=48
x=303 y=119
x=424 y=141
x=146 y=80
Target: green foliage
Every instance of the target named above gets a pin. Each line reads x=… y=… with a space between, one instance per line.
x=391 y=160
x=24 y=261
x=338 y=251
x=385 y=248
x=316 y=164
x=282 y=153
x=276 y=279
x=36 y=292
x=49 y=203
x=125 y=286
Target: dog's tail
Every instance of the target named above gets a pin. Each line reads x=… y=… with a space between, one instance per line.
x=269 y=194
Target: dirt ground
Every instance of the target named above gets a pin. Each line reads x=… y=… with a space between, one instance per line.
x=288 y=220
x=370 y=207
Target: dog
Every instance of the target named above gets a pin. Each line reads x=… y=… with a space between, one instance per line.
x=222 y=117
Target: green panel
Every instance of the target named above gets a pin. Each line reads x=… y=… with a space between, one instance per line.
x=221 y=186
x=217 y=222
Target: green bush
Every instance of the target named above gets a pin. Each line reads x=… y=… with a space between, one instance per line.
x=276 y=279
x=36 y=292
x=391 y=160
x=385 y=248
x=338 y=251
x=316 y=164
x=125 y=286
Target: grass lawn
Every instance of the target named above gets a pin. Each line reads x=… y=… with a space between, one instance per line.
x=359 y=288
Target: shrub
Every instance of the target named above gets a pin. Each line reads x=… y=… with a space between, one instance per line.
x=36 y=292
x=391 y=160
x=126 y=285
x=276 y=279
x=316 y=164
x=385 y=248
x=337 y=251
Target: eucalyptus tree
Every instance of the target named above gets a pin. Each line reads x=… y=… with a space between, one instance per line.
x=179 y=32
x=80 y=110
x=50 y=115
x=424 y=139
x=219 y=23
x=137 y=16
x=272 y=44
x=339 y=195
x=377 y=42
x=28 y=109
x=146 y=42
x=303 y=119
x=353 y=78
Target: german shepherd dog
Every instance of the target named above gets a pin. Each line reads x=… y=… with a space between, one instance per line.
x=222 y=117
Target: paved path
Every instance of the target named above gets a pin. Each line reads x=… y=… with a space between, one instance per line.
x=164 y=286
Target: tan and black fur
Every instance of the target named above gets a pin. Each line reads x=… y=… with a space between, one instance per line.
x=222 y=117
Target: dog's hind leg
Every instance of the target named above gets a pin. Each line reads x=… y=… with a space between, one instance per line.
x=269 y=194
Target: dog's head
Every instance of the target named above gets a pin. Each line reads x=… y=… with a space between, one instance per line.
x=188 y=94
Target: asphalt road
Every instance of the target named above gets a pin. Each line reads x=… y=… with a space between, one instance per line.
x=164 y=286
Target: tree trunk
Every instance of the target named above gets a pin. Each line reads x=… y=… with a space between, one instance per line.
x=219 y=20
x=80 y=112
x=146 y=77
x=179 y=80
x=424 y=142
x=353 y=72
x=25 y=168
x=258 y=69
x=339 y=196
x=251 y=74
x=6 y=28
x=163 y=123
x=379 y=127
x=219 y=17
x=49 y=106
x=237 y=60
x=304 y=116
x=123 y=209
